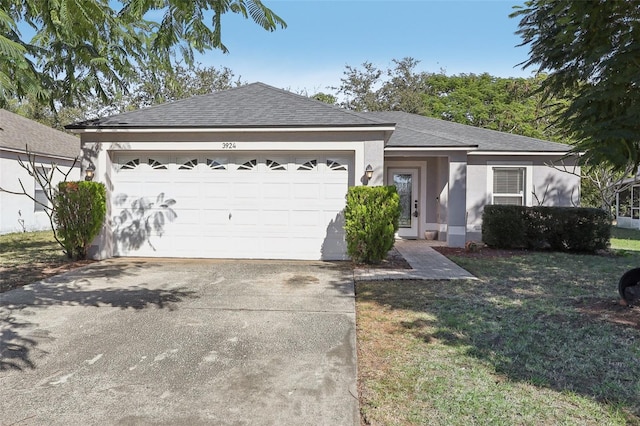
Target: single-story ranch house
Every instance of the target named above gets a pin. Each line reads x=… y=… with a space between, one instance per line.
x=19 y=213
x=259 y=172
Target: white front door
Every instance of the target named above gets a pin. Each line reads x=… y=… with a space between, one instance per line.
x=406 y=183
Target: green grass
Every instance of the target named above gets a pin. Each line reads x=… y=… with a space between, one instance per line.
x=28 y=257
x=625 y=239
x=29 y=247
x=538 y=340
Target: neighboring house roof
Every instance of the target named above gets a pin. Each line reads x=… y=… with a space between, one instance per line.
x=414 y=130
x=17 y=133
x=254 y=105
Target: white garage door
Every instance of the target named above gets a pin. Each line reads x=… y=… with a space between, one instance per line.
x=280 y=206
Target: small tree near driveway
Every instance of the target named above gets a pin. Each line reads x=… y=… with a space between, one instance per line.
x=79 y=212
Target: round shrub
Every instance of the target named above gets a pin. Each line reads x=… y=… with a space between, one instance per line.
x=79 y=212
x=371 y=221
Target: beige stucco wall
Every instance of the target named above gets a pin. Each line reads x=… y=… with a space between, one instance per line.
x=434 y=187
x=546 y=185
x=440 y=196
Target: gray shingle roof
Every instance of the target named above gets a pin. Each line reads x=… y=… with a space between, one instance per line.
x=418 y=131
x=16 y=132
x=253 y=105
x=258 y=105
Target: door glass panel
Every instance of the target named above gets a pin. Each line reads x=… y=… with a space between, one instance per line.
x=403 y=184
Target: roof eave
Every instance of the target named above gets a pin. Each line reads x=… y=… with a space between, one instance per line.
x=491 y=152
x=39 y=153
x=232 y=129
x=470 y=148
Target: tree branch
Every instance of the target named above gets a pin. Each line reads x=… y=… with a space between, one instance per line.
x=44 y=179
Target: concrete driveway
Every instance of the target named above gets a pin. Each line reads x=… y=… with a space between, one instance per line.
x=145 y=341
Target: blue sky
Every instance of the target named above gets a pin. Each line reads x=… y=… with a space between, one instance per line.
x=323 y=36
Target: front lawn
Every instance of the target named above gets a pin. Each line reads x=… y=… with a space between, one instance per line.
x=625 y=239
x=539 y=339
x=28 y=257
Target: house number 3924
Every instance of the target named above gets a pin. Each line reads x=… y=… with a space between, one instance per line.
x=228 y=145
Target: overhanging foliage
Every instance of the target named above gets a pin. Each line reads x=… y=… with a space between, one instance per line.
x=592 y=52
x=83 y=47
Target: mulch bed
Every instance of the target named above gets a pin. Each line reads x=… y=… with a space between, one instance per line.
x=612 y=311
x=480 y=253
x=394 y=260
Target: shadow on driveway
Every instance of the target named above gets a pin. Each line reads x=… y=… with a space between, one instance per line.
x=74 y=289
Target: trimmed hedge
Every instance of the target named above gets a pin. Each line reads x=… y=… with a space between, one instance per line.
x=79 y=212
x=555 y=228
x=371 y=221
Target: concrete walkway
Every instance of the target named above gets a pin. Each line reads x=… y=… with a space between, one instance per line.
x=426 y=264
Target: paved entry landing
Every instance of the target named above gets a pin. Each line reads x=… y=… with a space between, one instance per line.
x=426 y=264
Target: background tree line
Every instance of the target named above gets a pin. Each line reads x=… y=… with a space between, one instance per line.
x=145 y=88
x=506 y=104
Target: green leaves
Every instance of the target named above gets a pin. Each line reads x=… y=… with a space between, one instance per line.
x=504 y=104
x=178 y=83
x=592 y=52
x=371 y=220
x=79 y=212
x=83 y=48
x=512 y=105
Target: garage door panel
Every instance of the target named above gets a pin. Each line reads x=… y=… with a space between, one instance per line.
x=215 y=217
x=334 y=191
x=308 y=248
x=152 y=246
x=174 y=190
x=213 y=189
x=245 y=190
x=189 y=203
x=160 y=243
x=305 y=218
x=214 y=232
x=245 y=217
x=275 y=191
x=278 y=206
x=124 y=199
x=245 y=246
x=157 y=189
x=188 y=217
x=275 y=217
x=306 y=191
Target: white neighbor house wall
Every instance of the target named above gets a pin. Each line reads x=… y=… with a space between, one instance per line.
x=100 y=147
x=17 y=212
x=552 y=186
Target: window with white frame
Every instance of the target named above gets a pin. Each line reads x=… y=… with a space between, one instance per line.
x=629 y=202
x=39 y=193
x=635 y=202
x=508 y=185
